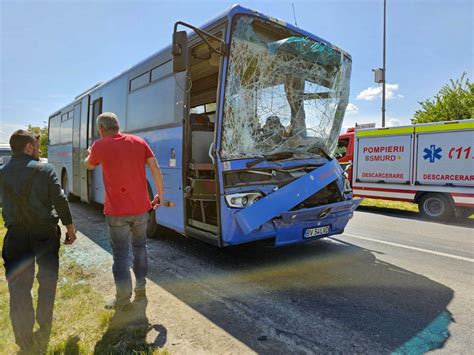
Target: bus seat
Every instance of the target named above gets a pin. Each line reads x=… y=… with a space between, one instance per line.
x=201 y=122
x=201 y=142
x=203 y=189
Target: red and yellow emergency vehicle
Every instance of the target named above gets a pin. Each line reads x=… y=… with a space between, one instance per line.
x=429 y=164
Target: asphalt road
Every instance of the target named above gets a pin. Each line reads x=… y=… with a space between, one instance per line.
x=391 y=284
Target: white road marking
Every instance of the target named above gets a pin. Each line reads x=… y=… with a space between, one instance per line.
x=412 y=248
x=334 y=241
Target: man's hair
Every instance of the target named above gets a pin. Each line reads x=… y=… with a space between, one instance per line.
x=109 y=121
x=20 y=139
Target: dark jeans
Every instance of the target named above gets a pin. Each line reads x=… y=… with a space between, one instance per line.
x=21 y=248
x=123 y=231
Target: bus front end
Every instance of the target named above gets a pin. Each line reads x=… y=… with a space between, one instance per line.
x=282 y=105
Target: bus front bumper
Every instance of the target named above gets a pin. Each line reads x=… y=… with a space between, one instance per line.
x=313 y=223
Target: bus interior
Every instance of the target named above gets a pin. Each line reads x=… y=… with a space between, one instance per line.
x=200 y=182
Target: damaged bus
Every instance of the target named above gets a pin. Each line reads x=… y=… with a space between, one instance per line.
x=243 y=114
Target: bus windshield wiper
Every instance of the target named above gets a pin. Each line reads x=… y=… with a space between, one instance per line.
x=270 y=157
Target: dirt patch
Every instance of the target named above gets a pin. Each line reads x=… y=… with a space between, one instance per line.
x=173 y=324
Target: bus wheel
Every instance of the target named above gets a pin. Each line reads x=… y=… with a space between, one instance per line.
x=436 y=206
x=65 y=186
x=152 y=227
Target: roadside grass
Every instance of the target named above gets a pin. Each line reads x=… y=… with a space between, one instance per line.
x=81 y=325
x=397 y=205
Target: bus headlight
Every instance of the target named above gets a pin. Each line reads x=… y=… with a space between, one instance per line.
x=242 y=200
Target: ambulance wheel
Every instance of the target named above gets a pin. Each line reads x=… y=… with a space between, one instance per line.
x=436 y=206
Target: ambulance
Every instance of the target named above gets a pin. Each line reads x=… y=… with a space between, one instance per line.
x=429 y=164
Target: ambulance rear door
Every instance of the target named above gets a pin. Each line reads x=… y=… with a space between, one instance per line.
x=384 y=155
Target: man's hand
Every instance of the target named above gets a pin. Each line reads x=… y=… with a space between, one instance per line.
x=152 y=163
x=70 y=234
x=88 y=165
x=156 y=203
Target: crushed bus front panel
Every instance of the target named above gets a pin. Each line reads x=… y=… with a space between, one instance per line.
x=310 y=207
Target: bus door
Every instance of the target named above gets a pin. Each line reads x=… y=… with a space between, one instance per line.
x=201 y=211
x=76 y=159
x=83 y=181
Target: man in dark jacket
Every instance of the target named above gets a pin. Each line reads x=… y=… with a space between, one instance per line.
x=32 y=201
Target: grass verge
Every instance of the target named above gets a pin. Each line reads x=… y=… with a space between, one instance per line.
x=397 y=205
x=81 y=325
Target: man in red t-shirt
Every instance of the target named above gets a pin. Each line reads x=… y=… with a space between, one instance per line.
x=123 y=158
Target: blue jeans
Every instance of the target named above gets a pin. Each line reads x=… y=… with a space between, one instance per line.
x=123 y=231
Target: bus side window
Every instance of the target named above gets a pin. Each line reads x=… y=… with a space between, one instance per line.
x=54 y=132
x=96 y=111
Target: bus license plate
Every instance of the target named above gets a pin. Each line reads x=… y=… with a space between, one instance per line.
x=316 y=232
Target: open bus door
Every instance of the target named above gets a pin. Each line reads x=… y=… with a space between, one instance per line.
x=201 y=60
x=83 y=174
x=76 y=159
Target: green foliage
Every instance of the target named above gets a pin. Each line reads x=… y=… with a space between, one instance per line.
x=43 y=132
x=455 y=101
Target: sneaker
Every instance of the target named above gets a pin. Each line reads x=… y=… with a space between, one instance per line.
x=118 y=306
x=41 y=340
x=140 y=294
x=26 y=349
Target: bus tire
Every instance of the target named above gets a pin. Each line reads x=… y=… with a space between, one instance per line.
x=152 y=228
x=436 y=206
x=65 y=186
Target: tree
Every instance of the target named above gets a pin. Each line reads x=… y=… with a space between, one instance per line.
x=455 y=101
x=43 y=132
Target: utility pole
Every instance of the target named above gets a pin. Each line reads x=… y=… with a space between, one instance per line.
x=384 y=69
x=379 y=73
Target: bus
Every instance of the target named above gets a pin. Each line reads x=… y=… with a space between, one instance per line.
x=243 y=115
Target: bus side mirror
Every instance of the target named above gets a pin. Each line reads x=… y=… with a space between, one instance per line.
x=180 y=51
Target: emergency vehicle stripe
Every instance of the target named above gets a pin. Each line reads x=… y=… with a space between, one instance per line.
x=384 y=131
x=384 y=189
x=384 y=197
x=461 y=194
x=448 y=126
x=463 y=200
x=396 y=195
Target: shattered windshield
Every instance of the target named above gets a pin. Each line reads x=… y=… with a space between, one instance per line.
x=283 y=92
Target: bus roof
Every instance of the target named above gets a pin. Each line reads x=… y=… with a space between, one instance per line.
x=229 y=13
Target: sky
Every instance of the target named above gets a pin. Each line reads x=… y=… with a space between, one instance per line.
x=53 y=50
